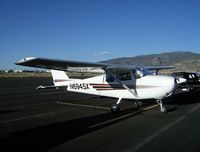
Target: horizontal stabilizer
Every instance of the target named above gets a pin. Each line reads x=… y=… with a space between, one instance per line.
x=50 y=87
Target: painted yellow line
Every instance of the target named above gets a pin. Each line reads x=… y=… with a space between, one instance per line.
x=147 y=108
x=113 y=120
x=122 y=117
x=99 y=107
x=81 y=105
x=160 y=131
x=32 y=116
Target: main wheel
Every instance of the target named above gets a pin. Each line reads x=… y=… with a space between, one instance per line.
x=115 y=108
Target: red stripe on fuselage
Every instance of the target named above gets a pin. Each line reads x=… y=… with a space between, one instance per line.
x=109 y=86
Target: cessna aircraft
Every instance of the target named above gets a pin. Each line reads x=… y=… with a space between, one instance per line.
x=118 y=81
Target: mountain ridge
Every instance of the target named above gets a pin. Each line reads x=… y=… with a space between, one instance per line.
x=182 y=60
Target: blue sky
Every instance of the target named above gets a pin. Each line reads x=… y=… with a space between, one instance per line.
x=95 y=30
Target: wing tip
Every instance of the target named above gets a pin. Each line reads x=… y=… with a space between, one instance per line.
x=24 y=60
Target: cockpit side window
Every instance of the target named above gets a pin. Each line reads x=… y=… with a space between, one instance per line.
x=124 y=76
x=121 y=75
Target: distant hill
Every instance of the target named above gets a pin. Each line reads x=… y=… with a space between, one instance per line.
x=184 y=61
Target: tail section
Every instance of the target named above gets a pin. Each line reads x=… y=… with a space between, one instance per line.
x=60 y=78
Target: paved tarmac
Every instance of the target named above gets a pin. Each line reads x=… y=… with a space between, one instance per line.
x=55 y=120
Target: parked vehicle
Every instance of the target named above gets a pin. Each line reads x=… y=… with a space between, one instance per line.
x=193 y=80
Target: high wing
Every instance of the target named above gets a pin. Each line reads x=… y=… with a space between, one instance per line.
x=64 y=64
x=56 y=64
x=159 y=67
x=156 y=69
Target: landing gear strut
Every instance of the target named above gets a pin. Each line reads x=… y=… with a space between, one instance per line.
x=162 y=107
x=116 y=107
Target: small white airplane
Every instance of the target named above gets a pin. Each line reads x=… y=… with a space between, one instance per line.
x=118 y=81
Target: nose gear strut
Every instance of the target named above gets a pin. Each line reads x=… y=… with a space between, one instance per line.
x=162 y=107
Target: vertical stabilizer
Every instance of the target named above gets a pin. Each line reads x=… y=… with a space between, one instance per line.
x=60 y=78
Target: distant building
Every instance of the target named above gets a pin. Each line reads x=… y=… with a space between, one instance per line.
x=85 y=69
x=17 y=71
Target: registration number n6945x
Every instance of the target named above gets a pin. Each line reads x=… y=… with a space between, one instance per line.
x=78 y=86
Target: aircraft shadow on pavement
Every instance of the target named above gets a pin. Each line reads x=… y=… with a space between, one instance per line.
x=6 y=111
x=46 y=137
x=184 y=98
x=178 y=100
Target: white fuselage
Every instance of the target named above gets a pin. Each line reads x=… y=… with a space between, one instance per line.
x=147 y=87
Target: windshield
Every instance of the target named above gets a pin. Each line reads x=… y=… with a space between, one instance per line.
x=143 y=71
x=139 y=74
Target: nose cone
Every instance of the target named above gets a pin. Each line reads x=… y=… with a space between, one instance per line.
x=168 y=85
x=159 y=87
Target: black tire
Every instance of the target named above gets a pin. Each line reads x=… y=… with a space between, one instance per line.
x=115 y=108
x=163 y=109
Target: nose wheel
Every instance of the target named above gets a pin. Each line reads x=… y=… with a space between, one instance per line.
x=162 y=107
